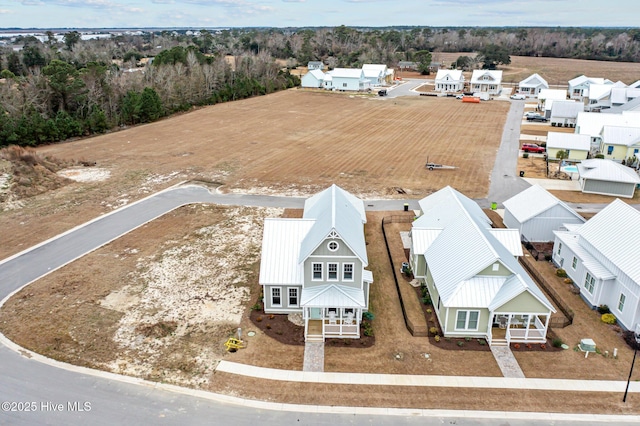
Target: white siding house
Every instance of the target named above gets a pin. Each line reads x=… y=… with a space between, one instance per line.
x=546 y=98
x=473 y=277
x=577 y=146
x=315 y=265
x=536 y=213
x=579 y=86
x=377 y=74
x=532 y=85
x=606 y=177
x=346 y=79
x=449 y=81
x=601 y=257
x=486 y=81
x=565 y=113
x=312 y=79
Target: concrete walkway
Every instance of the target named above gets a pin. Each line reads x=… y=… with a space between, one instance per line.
x=313 y=356
x=427 y=381
x=555 y=184
x=507 y=362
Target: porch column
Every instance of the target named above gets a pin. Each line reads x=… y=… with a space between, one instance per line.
x=305 y=318
x=526 y=332
x=546 y=325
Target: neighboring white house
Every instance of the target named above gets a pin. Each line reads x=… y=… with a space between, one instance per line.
x=577 y=146
x=349 y=79
x=592 y=123
x=536 y=213
x=565 y=113
x=486 y=81
x=472 y=273
x=579 y=86
x=315 y=265
x=315 y=65
x=607 y=177
x=377 y=74
x=601 y=257
x=313 y=78
x=449 y=81
x=532 y=85
x=546 y=98
x=601 y=95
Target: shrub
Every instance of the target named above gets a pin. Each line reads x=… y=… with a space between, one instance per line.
x=598 y=156
x=256 y=307
x=557 y=342
x=608 y=318
x=437 y=338
x=272 y=316
x=629 y=337
x=516 y=345
x=467 y=339
x=525 y=155
x=268 y=326
x=461 y=343
x=433 y=330
x=259 y=319
x=543 y=346
x=368 y=329
x=482 y=342
x=426 y=300
x=603 y=309
x=368 y=316
x=528 y=345
x=561 y=273
x=568 y=281
x=429 y=311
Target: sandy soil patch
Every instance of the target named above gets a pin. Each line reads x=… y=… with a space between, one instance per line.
x=85 y=174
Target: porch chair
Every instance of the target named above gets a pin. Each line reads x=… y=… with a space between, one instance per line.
x=349 y=319
x=332 y=317
x=502 y=322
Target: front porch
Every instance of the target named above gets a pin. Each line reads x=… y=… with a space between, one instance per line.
x=518 y=328
x=322 y=323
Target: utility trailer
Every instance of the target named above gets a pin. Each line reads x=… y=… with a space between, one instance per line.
x=432 y=166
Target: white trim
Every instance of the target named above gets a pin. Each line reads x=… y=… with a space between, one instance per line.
x=352 y=271
x=337 y=272
x=337 y=256
x=297 y=304
x=313 y=278
x=333 y=242
x=276 y=305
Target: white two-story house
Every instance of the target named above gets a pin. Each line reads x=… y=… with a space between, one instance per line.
x=316 y=265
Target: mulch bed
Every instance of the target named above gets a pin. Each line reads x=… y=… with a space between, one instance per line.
x=284 y=331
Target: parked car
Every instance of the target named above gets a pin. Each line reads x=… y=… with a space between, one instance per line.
x=530 y=113
x=382 y=92
x=459 y=96
x=532 y=147
x=537 y=117
x=518 y=96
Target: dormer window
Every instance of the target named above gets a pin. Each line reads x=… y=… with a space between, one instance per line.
x=496 y=267
x=333 y=245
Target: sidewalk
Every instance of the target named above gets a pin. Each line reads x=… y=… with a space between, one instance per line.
x=427 y=381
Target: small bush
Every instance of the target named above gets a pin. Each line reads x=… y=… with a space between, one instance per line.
x=460 y=343
x=268 y=326
x=433 y=330
x=568 y=280
x=598 y=156
x=437 y=338
x=272 y=316
x=429 y=311
x=256 y=307
x=525 y=155
x=543 y=346
x=603 y=309
x=557 y=342
x=368 y=329
x=368 y=316
x=528 y=345
x=482 y=342
x=426 y=300
x=516 y=345
x=608 y=318
x=259 y=319
x=467 y=339
x=561 y=273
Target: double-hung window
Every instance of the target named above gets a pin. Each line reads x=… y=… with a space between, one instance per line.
x=574 y=263
x=332 y=272
x=293 y=296
x=276 y=299
x=317 y=272
x=467 y=320
x=621 y=301
x=589 y=283
x=347 y=272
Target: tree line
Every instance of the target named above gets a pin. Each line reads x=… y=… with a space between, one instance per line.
x=55 y=89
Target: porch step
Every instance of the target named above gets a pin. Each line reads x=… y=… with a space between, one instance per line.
x=499 y=342
x=314 y=339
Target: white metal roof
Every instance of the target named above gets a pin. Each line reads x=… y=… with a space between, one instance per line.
x=583 y=79
x=454 y=75
x=318 y=74
x=553 y=94
x=510 y=238
x=281 y=242
x=608 y=170
x=533 y=201
x=592 y=123
x=465 y=246
x=379 y=67
x=600 y=91
x=495 y=76
x=571 y=141
x=367 y=276
x=534 y=80
x=621 y=135
x=566 y=109
x=422 y=238
x=334 y=295
x=572 y=241
x=346 y=73
x=615 y=232
x=334 y=209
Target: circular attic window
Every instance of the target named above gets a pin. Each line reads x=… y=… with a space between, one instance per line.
x=332 y=246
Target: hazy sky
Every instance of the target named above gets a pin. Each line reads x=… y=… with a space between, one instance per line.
x=297 y=13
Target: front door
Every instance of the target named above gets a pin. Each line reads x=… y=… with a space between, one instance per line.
x=315 y=313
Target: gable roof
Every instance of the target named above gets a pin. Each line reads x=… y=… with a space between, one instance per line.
x=583 y=79
x=334 y=209
x=319 y=75
x=615 y=232
x=621 y=135
x=346 y=73
x=335 y=295
x=533 y=201
x=566 y=109
x=553 y=94
x=495 y=76
x=465 y=246
x=455 y=75
x=569 y=141
x=592 y=123
x=281 y=240
x=534 y=80
x=608 y=170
